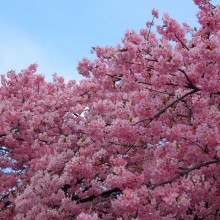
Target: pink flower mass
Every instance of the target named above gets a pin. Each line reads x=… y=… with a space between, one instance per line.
x=138 y=138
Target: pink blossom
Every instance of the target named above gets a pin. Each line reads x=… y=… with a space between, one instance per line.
x=137 y=139
x=155 y=13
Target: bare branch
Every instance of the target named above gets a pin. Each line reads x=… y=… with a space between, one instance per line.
x=184 y=46
x=151 y=24
x=167 y=107
x=215 y=93
x=146 y=83
x=128 y=150
x=211 y=5
x=3 y=135
x=154 y=60
x=188 y=79
x=106 y=194
x=154 y=90
x=84 y=93
x=185 y=172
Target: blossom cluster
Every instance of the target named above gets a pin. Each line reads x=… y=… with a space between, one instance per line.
x=137 y=138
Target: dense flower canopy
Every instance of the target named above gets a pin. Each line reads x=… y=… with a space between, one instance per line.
x=138 y=138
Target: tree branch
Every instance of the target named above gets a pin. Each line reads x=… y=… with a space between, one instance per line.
x=184 y=46
x=2 y=135
x=216 y=93
x=188 y=79
x=167 y=107
x=84 y=93
x=154 y=90
x=115 y=191
x=128 y=150
x=186 y=171
x=151 y=24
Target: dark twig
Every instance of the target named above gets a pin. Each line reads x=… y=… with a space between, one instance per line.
x=188 y=79
x=167 y=107
x=128 y=150
x=3 y=135
x=115 y=191
x=212 y=6
x=154 y=90
x=186 y=171
x=151 y=24
x=184 y=46
x=84 y=93
x=215 y=93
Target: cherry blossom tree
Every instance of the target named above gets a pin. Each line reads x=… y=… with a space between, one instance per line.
x=138 y=138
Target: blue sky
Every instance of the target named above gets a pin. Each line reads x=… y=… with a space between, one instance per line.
x=56 y=34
